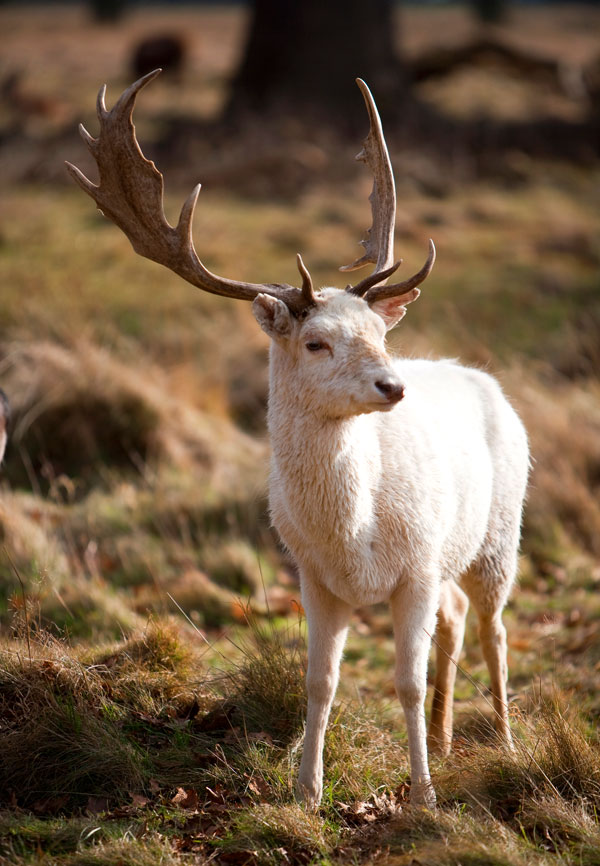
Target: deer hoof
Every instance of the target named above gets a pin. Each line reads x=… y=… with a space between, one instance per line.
x=423 y=796
x=309 y=795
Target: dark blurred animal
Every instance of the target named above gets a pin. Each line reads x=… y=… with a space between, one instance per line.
x=4 y=422
x=166 y=52
x=23 y=102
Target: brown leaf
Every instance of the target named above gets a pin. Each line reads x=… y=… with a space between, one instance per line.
x=138 y=801
x=186 y=798
x=258 y=786
x=260 y=737
x=95 y=805
x=369 y=811
x=219 y=793
x=203 y=824
x=402 y=792
x=188 y=843
x=218 y=719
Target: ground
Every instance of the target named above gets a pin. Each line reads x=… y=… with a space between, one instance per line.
x=152 y=659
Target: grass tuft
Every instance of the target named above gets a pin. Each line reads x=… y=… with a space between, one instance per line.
x=266 y=690
x=60 y=743
x=279 y=834
x=554 y=761
x=127 y=851
x=159 y=648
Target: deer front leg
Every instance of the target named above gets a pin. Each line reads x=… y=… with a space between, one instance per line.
x=414 y=609
x=327 y=617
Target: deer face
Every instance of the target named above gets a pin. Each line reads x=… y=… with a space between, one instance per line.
x=336 y=356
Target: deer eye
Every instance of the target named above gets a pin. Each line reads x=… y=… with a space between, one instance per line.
x=315 y=345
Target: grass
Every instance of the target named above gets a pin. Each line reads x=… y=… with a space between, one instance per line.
x=126 y=754
x=152 y=657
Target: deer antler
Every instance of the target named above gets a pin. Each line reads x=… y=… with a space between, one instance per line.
x=130 y=193
x=379 y=243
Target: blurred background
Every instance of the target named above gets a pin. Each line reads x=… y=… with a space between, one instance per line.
x=138 y=460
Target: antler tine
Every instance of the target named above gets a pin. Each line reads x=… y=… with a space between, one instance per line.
x=363 y=287
x=130 y=193
x=101 y=98
x=308 y=292
x=380 y=293
x=379 y=243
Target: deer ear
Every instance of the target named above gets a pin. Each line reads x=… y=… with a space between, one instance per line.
x=272 y=315
x=392 y=310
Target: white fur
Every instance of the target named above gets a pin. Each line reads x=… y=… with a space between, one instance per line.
x=391 y=502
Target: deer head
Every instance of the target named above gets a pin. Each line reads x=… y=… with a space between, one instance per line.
x=320 y=331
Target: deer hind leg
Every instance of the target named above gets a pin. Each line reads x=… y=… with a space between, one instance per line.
x=327 y=617
x=488 y=585
x=413 y=613
x=449 y=636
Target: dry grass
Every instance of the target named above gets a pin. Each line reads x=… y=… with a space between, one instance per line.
x=129 y=734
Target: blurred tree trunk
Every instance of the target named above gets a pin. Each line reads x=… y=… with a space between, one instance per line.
x=107 y=11
x=489 y=11
x=305 y=54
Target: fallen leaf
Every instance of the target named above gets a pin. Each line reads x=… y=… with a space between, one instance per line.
x=218 y=794
x=260 y=737
x=138 y=801
x=258 y=786
x=95 y=805
x=218 y=719
x=402 y=792
x=186 y=798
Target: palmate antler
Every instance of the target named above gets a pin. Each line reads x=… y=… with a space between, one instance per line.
x=130 y=193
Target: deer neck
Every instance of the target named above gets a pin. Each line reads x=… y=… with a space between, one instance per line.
x=328 y=468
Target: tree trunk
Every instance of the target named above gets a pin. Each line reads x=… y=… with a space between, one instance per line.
x=489 y=11
x=303 y=55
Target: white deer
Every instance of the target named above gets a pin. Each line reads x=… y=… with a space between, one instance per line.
x=392 y=480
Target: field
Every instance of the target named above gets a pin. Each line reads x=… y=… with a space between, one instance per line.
x=152 y=641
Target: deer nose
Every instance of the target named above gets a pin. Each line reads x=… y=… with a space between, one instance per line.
x=392 y=391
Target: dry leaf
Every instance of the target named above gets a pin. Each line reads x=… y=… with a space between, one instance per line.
x=95 y=805
x=186 y=798
x=138 y=801
x=258 y=786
